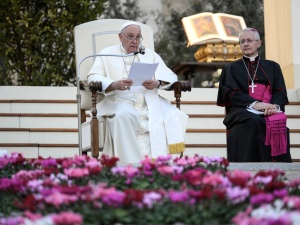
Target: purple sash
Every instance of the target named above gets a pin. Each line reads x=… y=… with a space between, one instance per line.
x=262 y=93
x=276 y=132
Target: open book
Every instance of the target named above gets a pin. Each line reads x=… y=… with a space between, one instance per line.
x=209 y=27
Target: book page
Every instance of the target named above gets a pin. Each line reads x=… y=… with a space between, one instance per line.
x=201 y=28
x=208 y=27
x=139 y=72
x=231 y=26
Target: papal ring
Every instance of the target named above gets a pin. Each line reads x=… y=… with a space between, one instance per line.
x=125 y=87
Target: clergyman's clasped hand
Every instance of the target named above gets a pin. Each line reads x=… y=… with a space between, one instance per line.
x=267 y=108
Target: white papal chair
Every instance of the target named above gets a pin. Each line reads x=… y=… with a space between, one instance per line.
x=90 y=38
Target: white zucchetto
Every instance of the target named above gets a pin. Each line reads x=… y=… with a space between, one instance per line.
x=128 y=23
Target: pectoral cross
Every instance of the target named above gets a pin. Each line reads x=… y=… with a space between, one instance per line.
x=252 y=86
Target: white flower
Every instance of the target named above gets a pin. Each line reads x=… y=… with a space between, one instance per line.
x=43 y=221
x=268 y=211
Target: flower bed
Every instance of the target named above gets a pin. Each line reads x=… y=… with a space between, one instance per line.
x=188 y=190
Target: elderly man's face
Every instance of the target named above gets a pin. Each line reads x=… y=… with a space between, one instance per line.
x=249 y=44
x=130 y=38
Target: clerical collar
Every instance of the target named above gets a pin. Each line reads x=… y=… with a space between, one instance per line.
x=252 y=58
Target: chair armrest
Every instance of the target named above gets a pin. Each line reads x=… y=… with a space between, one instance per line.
x=93 y=87
x=178 y=87
x=181 y=86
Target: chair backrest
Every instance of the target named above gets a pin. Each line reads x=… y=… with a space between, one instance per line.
x=92 y=37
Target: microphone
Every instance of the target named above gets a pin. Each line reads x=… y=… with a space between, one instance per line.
x=141 y=50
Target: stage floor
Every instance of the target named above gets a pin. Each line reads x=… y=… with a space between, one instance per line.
x=292 y=170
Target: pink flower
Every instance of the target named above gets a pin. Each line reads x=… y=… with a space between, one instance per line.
x=58 y=178
x=67 y=218
x=193 y=183
x=32 y=216
x=151 y=198
x=195 y=176
x=76 y=172
x=280 y=193
x=261 y=198
x=57 y=199
x=169 y=170
x=93 y=163
x=242 y=217
x=178 y=196
x=127 y=171
x=107 y=161
x=113 y=198
x=294 y=183
x=147 y=166
x=292 y=202
x=273 y=173
x=35 y=185
x=185 y=161
x=12 y=221
x=78 y=161
x=25 y=175
x=216 y=180
x=162 y=160
x=11 y=184
x=264 y=180
x=237 y=194
x=49 y=162
x=239 y=177
x=13 y=158
x=109 y=196
x=210 y=160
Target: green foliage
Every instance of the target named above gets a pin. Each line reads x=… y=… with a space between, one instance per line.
x=171 y=40
x=128 y=9
x=36 y=37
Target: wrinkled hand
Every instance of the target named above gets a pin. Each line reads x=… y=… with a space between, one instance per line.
x=267 y=108
x=121 y=85
x=150 y=84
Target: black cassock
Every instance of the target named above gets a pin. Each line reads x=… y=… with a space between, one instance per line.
x=246 y=131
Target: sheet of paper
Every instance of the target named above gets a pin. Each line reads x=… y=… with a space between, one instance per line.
x=259 y=112
x=139 y=72
x=255 y=111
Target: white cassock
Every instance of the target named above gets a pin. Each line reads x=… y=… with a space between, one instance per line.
x=140 y=122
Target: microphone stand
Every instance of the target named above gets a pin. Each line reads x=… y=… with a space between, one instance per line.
x=78 y=96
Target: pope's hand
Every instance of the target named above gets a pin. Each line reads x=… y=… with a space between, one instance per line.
x=121 y=85
x=150 y=84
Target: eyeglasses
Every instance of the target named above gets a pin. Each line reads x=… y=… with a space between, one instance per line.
x=131 y=37
x=249 y=41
